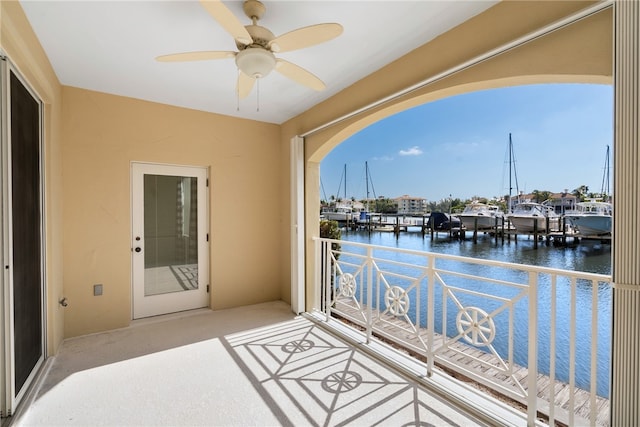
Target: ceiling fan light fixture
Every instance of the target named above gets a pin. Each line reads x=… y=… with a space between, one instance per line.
x=255 y=62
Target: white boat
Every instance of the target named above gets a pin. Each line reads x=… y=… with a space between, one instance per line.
x=480 y=216
x=591 y=218
x=340 y=214
x=527 y=215
x=594 y=217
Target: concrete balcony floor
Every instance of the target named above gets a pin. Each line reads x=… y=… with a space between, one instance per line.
x=258 y=365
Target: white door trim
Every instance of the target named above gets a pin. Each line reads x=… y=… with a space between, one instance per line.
x=297 y=225
x=146 y=306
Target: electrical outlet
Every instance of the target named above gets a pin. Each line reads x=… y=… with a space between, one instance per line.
x=97 y=290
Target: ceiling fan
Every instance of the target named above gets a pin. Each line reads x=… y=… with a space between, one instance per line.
x=256 y=45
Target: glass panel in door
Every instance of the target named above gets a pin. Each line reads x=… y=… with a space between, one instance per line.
x=170 y=234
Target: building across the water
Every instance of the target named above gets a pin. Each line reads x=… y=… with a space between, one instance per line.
x=411 y=205
x=563 y=202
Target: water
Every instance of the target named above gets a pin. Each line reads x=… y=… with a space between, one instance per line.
x=592 y=257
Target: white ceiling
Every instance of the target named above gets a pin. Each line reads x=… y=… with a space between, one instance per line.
x=110 y=46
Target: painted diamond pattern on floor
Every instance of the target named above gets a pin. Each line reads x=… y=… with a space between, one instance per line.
x=329 y=382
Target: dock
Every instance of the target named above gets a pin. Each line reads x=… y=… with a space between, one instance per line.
x=562 y=391
x=561 y=236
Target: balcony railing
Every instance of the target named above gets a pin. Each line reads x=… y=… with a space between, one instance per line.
x=492 y=322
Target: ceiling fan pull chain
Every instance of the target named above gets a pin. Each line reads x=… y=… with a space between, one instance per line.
x=258 y=97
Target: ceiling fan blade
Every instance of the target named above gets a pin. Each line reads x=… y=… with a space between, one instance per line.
x=305 y=37
x=245 y=84
x=299 y=75
x=196 y=56
x=227 y=20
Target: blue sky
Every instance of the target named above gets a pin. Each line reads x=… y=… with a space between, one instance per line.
x=459 y=145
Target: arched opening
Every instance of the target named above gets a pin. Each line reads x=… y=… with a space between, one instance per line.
x=454 y=152
x=579 y=53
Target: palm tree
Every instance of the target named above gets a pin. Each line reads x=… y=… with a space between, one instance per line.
x=581 y=192
x=536 y=196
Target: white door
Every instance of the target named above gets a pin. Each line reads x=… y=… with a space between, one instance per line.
x=169 y=242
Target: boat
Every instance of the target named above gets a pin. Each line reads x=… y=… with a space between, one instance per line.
x=443 y=221
x=591 y=218
x=480 y=216
x=346 y=210
x=341 y=213
x=529 y=217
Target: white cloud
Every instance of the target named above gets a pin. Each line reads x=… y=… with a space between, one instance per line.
x=413 y=151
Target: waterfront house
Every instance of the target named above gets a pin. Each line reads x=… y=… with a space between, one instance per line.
x=70 y=272
x=560 y=202
x=563 y=202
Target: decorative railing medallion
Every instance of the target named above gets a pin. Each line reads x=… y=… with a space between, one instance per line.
x=476 y=326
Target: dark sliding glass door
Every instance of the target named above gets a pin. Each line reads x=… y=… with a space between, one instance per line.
x=24 y=254
x=26 y=218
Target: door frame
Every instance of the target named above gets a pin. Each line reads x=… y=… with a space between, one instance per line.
x=10 y=398
x=137 y=188
x=298 y=250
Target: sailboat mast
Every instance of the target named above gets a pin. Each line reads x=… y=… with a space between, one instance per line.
x=512 y=171
x=345 y=182
x=510 y=163
x=608 y=171
x=366 y=179
x=604 y=189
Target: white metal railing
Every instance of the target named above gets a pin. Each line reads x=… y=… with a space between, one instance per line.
x=493 y=322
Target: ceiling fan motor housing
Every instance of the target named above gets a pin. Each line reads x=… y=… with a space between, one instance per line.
x=260 y=36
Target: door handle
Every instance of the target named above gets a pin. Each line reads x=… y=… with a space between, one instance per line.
x=138 y=249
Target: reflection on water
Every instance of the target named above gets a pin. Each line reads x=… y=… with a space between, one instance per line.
x=592 y=257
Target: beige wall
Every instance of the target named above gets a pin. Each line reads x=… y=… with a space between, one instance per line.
x=579 y=53
x=103 y=135
x=21 y=46
x=91 y=138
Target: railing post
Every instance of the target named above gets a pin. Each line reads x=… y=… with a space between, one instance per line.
x=431 y=316
x=532 y=392
x=369 y=293
x=326 y=275
x=572 y=350
x=317 y=281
